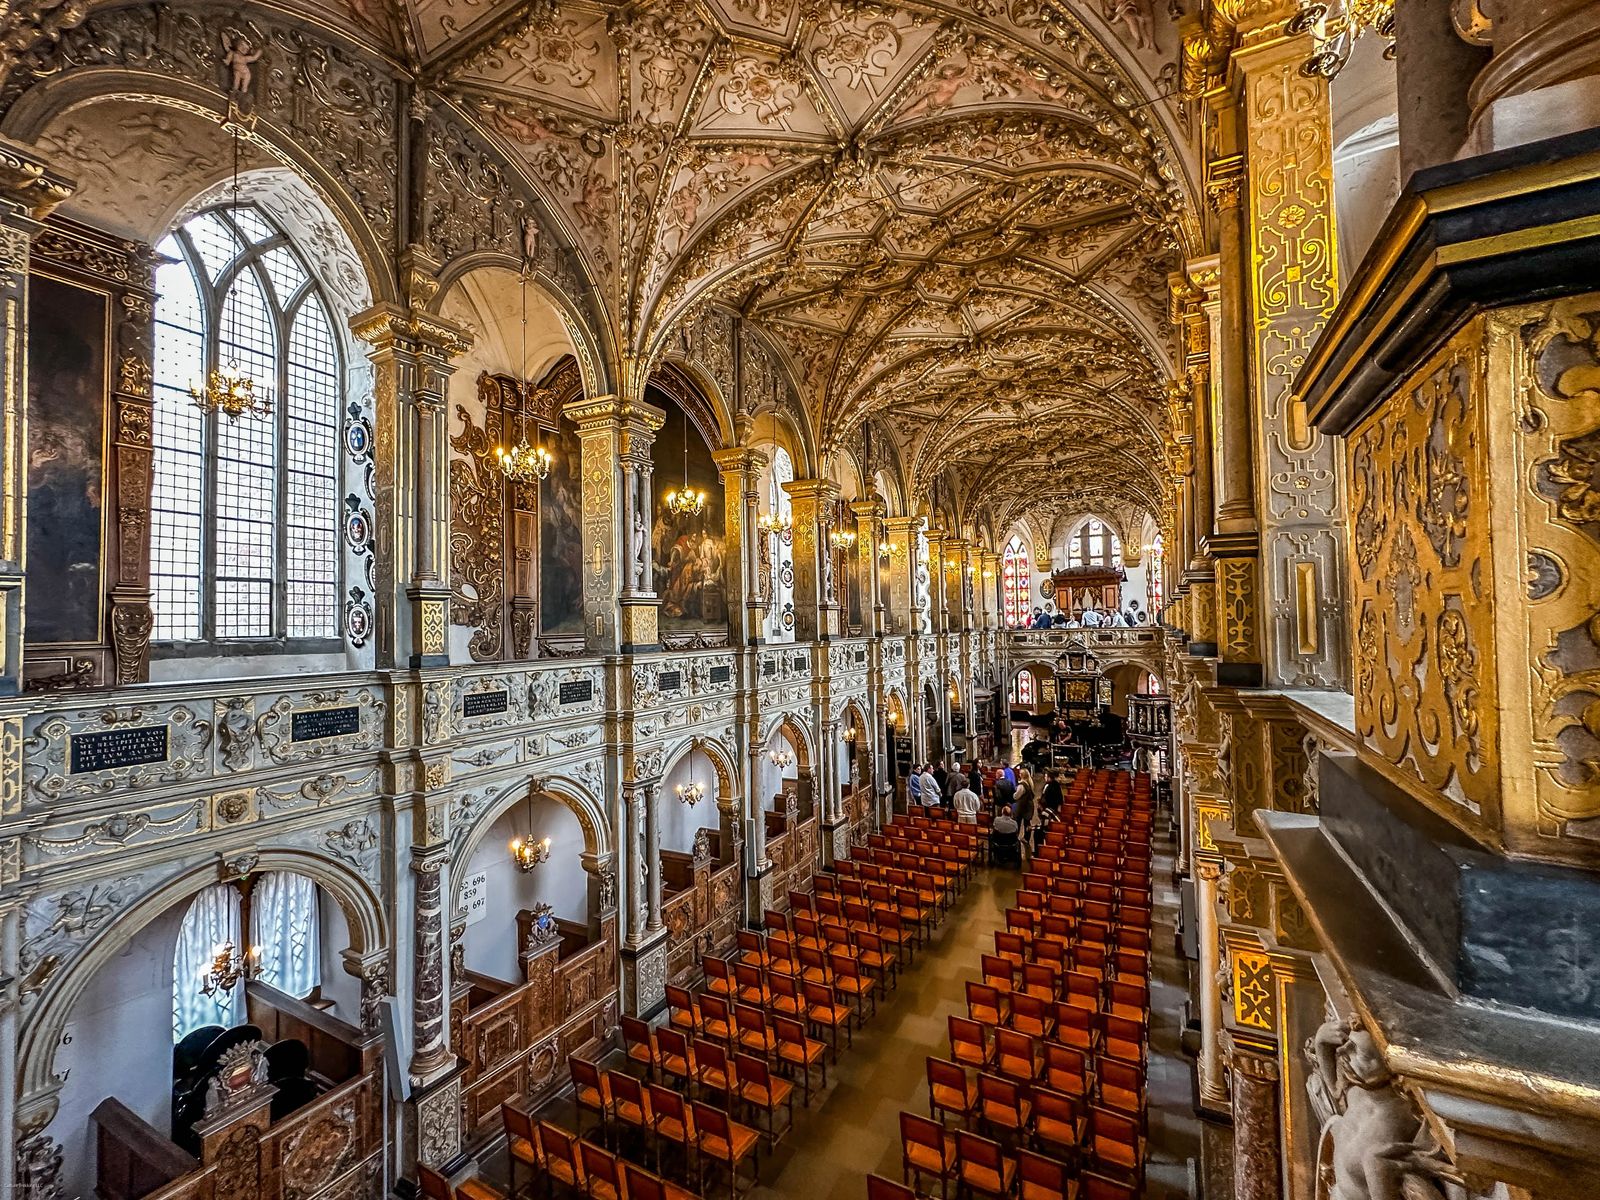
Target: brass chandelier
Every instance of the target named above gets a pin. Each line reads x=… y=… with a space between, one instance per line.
x=229 y=389
x=524 y=463
x=1334 y=28
x=685 y=501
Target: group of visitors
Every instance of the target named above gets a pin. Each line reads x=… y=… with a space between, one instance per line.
x=1089 y=617
x=1023 y=808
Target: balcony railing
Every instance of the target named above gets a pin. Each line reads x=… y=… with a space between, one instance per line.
x=1061 y=639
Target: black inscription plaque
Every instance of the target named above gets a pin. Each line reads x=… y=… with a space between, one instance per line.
x=484 y=704
x=861 y=656
x=669 y=681
x=800 y=662
x=769 y=668
x=576 y=691
x=118 y=748
x=721 y=674
x=314 y=724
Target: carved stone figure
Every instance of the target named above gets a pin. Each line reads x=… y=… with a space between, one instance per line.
x=641 y=538
x=238 y=55
x=1372 y=1136
x=236 y=733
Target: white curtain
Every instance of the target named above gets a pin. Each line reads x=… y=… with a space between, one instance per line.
x=212 y=919
x=283 y=922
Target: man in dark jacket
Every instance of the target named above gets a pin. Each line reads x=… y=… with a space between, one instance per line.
x=1004 y=791
x=942 y=778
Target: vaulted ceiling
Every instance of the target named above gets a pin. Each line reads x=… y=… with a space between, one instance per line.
x=957 y=220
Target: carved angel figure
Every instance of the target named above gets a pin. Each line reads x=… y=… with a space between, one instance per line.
x=1369 y=1146
x=238 y=55
x=1134 y=16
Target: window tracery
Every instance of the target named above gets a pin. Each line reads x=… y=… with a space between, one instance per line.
x=244 y=513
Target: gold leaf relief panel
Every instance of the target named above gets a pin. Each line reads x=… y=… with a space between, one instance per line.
x=477 y=539
x=1549 y=360
x=1426 y=695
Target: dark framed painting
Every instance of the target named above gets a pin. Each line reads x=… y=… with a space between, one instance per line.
x=561 y=535
x=690 y=549
x=69 y=338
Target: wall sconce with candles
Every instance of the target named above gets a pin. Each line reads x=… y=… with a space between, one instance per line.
x=228 y=967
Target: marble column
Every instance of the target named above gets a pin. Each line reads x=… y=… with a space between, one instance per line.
x=812 y=503
x=755 y=814
x=740 y=470
x=635 y=865
x=412 y=352
x=1257 y=1173
x=430 y=1051
x=601 y=870
x=619 y=602
x=1433 y=70
x=652 y=857
x=1543 y=77
x=1213 y=1085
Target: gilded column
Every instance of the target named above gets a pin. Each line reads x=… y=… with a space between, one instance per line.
x=1292 y=267
x=619 y=601
x=1213 y=1085
x=1194 y=384
x=812 y=503
x=28 y=192
x=904 y=534
x=1257 y=1169
x=411 y=352
x=866 y=560
x=741 y=477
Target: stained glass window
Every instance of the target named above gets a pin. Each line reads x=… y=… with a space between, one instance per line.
x=245 y=513
x=1014 y=584
x=1022 y=689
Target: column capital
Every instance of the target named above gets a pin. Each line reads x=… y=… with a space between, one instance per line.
x=29 y=183
x=739 y=459
x=594 y=414
x=397 y=329
x=818 y=491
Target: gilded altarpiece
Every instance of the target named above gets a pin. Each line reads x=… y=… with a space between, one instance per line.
x=1476 y=557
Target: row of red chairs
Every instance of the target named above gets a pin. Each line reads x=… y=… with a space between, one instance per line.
x=1046 y=1075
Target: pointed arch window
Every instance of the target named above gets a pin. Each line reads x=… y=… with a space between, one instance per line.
x=1022 y=689
x=244 y=513
x=1094 y=545
x=1015 y=581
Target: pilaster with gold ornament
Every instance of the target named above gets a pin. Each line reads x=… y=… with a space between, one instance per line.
x=903 y=535
x=740 y=470
x=812 y=505
x=29 y=191
x=614 y=438
x=1286 y=122
x=867 y=563
x=412 y=352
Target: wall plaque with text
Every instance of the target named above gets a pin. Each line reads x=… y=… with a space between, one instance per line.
x=721 y=674
x=315 y=724
x=576 y=691
x=103 y=750
x=484 y=704
x=669 y=681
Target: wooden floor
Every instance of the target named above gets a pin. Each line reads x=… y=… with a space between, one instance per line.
x=853 y=1128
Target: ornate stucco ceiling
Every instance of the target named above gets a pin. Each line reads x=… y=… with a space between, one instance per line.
x=958 y=220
